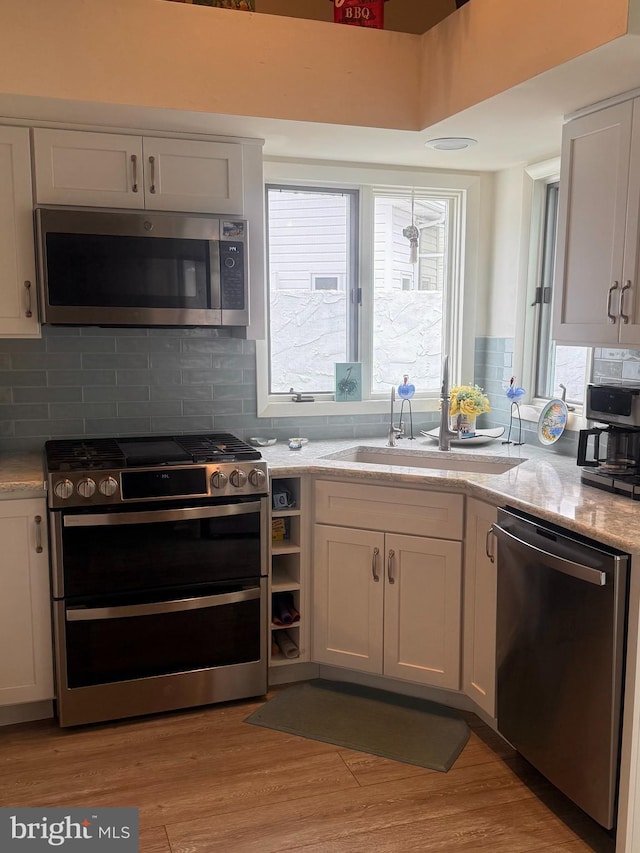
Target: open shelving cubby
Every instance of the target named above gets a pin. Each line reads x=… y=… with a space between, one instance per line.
x=288 y=566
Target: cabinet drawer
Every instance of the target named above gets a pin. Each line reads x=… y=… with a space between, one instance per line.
x=421 y=513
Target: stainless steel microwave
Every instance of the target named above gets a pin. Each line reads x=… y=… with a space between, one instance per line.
x=141 y=268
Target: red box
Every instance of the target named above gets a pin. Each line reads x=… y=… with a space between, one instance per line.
x=359 y=13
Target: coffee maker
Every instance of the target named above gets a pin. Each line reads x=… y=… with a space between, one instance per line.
x=614 y=462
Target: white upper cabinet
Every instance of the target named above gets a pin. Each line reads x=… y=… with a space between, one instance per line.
x=199 y=177
x=596 y=295
x=151 y=173
x=18 y=310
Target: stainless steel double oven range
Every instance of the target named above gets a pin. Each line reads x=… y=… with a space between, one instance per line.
x=159 y=564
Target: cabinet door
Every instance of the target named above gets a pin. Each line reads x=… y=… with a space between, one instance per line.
x=94 y=169
x=629 y=304
x=347 y=599
x=480 y=578
x=197 y=177
x=26 y=670
x=591 y=227
x=422 y=610
x=18 y=312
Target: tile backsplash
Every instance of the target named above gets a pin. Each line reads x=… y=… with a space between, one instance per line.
x=616 y=366
x=98 y=381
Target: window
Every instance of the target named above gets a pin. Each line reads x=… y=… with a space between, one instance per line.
x=408 y=322
x=311 y=238
x=558 y=369
x=326 y=282
x=322 y=313
x=397 y=307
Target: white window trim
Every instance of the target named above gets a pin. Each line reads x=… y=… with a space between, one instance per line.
x=541 y=175
x=473 y=240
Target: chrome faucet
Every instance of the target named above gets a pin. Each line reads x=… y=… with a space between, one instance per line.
x=393 y=431
x=445 y=434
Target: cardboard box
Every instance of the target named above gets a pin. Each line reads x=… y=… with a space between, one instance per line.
x=242 y=5
x=359 y=13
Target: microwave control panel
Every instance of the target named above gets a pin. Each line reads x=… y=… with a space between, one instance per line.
x=233 y=279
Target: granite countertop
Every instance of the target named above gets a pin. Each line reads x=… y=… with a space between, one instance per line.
x=545 y=482
x=21 y=475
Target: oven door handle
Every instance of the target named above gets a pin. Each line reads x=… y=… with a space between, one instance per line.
x=160 y=515
x=92 y=614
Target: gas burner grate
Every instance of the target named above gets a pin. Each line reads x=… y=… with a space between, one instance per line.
x=216 y=446
x=92 y=454
x=72 y=455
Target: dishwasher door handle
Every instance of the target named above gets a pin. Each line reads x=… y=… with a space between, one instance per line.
x=559 y=564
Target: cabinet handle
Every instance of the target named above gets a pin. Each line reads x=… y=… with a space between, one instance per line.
x=152 y=164
x=624 y=317
x=374 y=562
x=392 y=554
x=134 y=172
x=612 y=317
x=38 y=520
x=27 y=287
x=488 y=552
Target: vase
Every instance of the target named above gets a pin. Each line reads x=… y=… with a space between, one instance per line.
x=464 y=425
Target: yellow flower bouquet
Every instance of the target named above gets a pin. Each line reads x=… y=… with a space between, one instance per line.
x=469 y=400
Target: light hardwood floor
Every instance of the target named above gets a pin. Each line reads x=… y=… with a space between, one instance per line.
x=205 y=781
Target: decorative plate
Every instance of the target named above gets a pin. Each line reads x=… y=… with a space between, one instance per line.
x=482 y=436
x=552 y=421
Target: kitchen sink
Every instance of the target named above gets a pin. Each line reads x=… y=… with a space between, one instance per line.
x=441 y=460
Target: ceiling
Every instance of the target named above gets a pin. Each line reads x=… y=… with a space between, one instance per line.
x=521 y=125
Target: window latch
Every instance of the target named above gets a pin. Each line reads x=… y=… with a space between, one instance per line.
x=356 y=296
x=542 y=297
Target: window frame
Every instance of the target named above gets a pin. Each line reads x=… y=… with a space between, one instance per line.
x=542 y=175
x=471 y=190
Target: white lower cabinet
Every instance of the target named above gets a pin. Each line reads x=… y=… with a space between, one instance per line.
x=480 y=579
x=26 y=668
x=386 y=602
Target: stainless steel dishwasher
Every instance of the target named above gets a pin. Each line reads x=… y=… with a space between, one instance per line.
x=560 y=656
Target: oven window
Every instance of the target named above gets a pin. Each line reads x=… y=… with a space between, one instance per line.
x=127 y=272
x=106 y=559
x=108 y=650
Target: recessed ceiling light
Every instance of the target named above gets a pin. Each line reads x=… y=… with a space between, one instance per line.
x=451 y=143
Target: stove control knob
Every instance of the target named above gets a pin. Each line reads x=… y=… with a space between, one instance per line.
x=219 y=480
x=86 y=488
x=108 y=486
x=257 y=478
x=238 y=478
x=63 y=489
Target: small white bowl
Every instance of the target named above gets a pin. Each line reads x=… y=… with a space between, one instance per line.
x=297 y=443
x=262 y=442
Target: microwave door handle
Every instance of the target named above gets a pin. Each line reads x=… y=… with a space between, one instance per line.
x=157 y=516
x=215 y=275
x=92 y=614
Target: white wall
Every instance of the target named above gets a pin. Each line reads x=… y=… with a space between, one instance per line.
x=498 y=314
